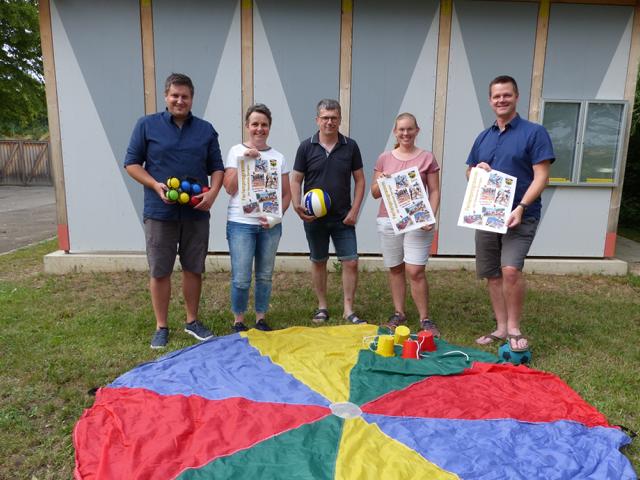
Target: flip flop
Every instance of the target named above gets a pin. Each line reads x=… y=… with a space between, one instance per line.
x=321 y=315
x=516 y=338
x=492 y=338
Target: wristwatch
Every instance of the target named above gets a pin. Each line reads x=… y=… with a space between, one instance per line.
x=523 y=205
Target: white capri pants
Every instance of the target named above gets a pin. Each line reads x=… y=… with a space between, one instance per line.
x=412 y=247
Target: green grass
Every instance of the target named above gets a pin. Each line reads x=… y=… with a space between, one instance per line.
x=63 y=335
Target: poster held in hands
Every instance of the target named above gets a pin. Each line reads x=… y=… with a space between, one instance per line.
x=406 y=200
x=487 y=201
x=259 y=186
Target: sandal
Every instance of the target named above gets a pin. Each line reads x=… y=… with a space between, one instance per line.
x=491 y=339
x=353 y=318
x=516 y=338
x=321 y=315
x=396 y=319
x=428 y=326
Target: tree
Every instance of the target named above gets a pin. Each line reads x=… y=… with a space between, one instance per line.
x=22 y=97
x=630 y=206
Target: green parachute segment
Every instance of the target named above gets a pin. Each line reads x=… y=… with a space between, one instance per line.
x=374 y=375
x=308 y=452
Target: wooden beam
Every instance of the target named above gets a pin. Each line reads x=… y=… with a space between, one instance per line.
x=442 y=85
x=539 y=54
x=346 y=39
x=55 y=138
x=442 y=79
x=148 y=57
x=629 y=96
x=246 y=35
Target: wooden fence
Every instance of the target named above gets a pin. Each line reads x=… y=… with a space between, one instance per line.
x=25 y=162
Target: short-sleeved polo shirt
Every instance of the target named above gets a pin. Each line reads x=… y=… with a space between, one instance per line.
x=515 y=150
x=331 y=172
x=165 y=150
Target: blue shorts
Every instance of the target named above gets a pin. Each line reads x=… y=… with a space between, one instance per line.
x=343 y=237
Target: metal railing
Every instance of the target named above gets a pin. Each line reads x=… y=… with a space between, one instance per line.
x=25 y=162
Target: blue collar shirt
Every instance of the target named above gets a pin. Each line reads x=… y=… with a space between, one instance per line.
x=165 y=151
x=515 y=150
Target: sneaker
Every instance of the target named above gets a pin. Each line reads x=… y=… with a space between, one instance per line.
x=239 y=327
x=396 y=319
x=429 y=326
x=262 y=325
x=198 y=330
x=160 y=338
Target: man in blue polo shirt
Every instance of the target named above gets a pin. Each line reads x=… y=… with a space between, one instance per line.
x=327 y=161
x=174 y=143
x=523 y=149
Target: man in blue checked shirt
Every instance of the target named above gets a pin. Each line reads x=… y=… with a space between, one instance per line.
x=174 y=143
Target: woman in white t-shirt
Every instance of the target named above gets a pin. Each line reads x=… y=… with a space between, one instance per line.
x=406 y=254
x=253 y=238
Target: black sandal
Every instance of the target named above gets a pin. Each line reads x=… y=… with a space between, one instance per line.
x=353 y=318
x=321 y=315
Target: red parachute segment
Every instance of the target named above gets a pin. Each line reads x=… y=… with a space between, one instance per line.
x=176 y=432
x=490 y=391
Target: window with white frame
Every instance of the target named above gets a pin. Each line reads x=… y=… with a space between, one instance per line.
x=587 y=139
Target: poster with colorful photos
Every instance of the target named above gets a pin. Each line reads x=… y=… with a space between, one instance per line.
x=406 y=200
x=487 y=201
x=259 y=187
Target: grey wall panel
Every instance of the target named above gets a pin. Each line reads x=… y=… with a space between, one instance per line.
x=566 y=229
x=189 y=37
x=296 y=63
x=582 y=41
x=475 y=59
x=202 y=40
x=100 y=94
x=393 y=70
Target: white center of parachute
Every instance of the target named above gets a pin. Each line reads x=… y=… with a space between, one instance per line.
x=345 y=410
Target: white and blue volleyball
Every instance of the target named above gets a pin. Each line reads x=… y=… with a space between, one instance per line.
x=317 y=202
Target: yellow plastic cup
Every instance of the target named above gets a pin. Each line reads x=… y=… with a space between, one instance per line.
x=402 y=334
x=385 y=346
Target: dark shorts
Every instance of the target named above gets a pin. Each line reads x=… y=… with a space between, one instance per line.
x=343 y=237
x=494 y=250
x=189 y=239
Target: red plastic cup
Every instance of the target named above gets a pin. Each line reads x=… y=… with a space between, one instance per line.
x=410 y=349
x=426 y=341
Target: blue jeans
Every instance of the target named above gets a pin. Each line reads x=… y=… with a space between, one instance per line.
x=247 y=242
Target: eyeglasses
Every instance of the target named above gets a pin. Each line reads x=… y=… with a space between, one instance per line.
x=329 y=119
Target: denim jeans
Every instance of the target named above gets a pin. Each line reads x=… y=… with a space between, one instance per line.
x=247 y=242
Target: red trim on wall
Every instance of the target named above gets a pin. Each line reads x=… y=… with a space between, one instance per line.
x=434 y=245
x=63 y=237
x=610 y=244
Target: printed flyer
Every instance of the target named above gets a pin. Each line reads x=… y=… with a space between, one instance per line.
x=406 y=200
x=487 y=201
x=259 y=187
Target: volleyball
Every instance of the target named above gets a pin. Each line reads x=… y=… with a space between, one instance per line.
x=317 y=202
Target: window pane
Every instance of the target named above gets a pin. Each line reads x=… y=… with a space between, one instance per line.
x=601 y=142
x=561 y=121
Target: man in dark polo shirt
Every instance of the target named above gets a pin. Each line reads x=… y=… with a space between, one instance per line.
x=523 y=149
x=174 y=143
x=327 y=161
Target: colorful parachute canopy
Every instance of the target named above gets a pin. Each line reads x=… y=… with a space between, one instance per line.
x=313 y=403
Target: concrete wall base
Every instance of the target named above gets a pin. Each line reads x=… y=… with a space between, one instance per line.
x=60 y=263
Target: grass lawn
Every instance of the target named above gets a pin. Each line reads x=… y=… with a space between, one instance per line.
x=62 y=335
